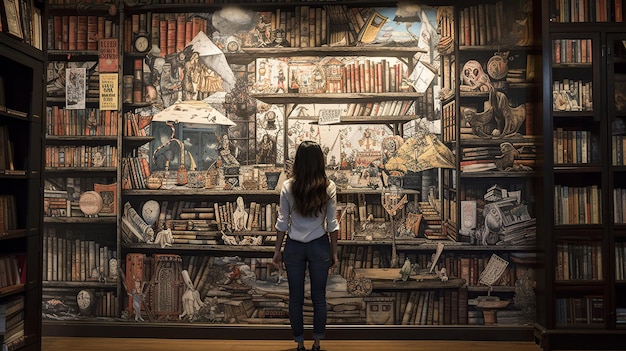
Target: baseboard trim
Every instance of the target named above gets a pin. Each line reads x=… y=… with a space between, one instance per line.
x=262 y=332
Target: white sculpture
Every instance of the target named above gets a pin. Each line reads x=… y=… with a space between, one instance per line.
x=191 y=299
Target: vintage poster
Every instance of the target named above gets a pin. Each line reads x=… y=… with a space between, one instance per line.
x=108 y=91
x=75 y=88
x=107 y=55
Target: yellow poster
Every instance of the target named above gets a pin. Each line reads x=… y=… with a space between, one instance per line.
x=108 y=91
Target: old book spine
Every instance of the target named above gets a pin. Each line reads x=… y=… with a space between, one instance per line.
x=408 y=309
x=81 y=33
x=138 y=81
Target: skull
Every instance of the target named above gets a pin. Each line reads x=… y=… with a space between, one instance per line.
x=474 y=78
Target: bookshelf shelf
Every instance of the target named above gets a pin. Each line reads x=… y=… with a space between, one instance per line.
x=365 y=119
x=78 y=284
x=334 y=98
x=72 y=55
x=80 y=169
x=81 y=220
x=12 y=234
x=12 y=290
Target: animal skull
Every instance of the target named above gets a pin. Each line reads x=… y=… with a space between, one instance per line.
x=473 y=77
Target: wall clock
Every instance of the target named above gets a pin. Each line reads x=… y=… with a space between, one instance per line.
x=86 y=300
x=141 y=42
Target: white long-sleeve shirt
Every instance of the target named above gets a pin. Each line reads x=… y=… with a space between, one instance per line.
x=301 y=228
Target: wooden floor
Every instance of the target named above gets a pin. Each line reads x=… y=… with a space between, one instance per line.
x=135 y=344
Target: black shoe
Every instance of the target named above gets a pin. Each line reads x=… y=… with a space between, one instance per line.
x=301 y=348
x=315 y=348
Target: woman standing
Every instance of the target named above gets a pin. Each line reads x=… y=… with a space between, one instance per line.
x=308 y=201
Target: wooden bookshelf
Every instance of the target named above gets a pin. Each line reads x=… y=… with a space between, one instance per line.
x=22 y=66
x=582 y=296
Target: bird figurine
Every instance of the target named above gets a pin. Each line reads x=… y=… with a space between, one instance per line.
x=405 y=271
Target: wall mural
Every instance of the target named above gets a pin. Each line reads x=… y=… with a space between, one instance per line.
x=252 y=148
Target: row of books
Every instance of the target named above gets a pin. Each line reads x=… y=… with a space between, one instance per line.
x=434 y=307
x=12 y=322
x=135 y=124
x=260 y=216
x=8 y=213
x=619 y=205
x=578 y=260
x=618 y=145
x=381 y=109
x=135 y=173
x=23 y=20
x=577 y=205
x=169 y=32
x=572 y=51
x=56 y=203
x=12 y=270
x=484 y=24
x=448 y=122
x=6 y=150
x=572 y=146
x=79 y=33
x=84 y=122
x=620 y=261
x=9 y=309
x=620 y=315
x=588 y=11
x=60 y=156
x=371 y=76
x=315 y=75
x=580 y=310
x=15 y=338
x=572 y=95
x=78 y=260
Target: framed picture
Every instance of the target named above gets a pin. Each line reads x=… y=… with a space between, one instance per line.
x=108 y=192
x=11 y=14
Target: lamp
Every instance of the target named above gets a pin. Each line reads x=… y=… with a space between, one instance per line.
x=191 y=111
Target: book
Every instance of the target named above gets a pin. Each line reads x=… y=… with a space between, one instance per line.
x=108 y=56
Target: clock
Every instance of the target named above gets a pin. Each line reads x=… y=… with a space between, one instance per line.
x=141 y=42
x=232 y=44
x=86 y=300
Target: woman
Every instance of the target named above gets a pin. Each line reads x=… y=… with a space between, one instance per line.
x=308 y=201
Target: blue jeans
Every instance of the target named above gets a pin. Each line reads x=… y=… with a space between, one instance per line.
x=296 y=257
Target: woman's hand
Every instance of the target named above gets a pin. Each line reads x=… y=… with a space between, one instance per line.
x=334 y=261
x=277 y=260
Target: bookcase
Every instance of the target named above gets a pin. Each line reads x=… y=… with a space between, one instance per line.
x=183 y=187
x=489 y=103
x=21 y=112
x=82 y=138
x=582 y=287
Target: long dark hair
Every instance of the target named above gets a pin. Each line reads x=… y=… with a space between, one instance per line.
x=309 y=179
